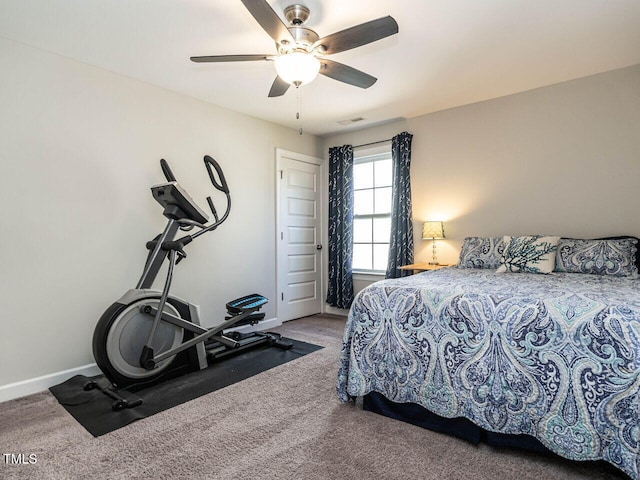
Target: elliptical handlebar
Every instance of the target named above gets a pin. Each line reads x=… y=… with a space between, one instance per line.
x=168 y=174
x=222 y=186
x=183 y=213
x=219 y=183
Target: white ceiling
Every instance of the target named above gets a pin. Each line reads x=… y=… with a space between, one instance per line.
x=447 y=53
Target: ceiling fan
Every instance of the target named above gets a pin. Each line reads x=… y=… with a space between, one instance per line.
x=301 y=52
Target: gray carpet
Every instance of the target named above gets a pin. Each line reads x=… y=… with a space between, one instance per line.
x=283 y=423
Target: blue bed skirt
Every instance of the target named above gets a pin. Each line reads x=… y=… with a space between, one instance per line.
x=459 y=427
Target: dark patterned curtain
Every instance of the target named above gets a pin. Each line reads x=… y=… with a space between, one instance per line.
x=401 y=245
x=340 y=291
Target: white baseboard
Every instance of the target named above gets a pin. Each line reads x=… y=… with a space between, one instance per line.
x=38 y=384
x=336 y=311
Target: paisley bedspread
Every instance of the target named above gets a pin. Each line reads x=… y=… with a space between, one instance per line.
x=553 y=356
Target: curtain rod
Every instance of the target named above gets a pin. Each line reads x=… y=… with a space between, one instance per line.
x=373 y=143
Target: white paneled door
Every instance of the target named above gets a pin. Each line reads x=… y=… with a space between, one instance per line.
x=299 y=235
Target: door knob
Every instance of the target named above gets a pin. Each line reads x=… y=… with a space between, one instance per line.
x=318 y=247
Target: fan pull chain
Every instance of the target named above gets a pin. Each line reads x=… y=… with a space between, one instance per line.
x=298 y=110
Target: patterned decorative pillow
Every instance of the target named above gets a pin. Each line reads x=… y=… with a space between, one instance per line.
x=481 y=252
x=616 y=257
x=531 y=254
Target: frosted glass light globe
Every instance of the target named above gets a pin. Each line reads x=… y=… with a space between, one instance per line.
x=297 y=68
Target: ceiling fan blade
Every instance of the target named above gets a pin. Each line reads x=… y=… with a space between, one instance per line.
x=278 y=88
x=269 y=20
x=229 y=58
x=359 y=35
x=346 y=74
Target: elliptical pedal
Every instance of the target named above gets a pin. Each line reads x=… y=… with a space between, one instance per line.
x=254 y=301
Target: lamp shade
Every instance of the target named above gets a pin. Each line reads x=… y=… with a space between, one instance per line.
x=433 y=230
x=297 y=68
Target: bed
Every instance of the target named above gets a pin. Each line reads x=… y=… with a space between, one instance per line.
x=550 y=355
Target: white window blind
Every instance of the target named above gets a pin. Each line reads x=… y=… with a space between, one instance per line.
x=372 y=178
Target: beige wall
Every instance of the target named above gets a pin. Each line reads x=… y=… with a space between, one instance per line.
x=79 y=149
x=563 y=159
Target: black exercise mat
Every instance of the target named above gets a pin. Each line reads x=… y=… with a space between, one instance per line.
x=92 y=409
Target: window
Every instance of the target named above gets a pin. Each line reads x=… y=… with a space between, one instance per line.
x=372 y=177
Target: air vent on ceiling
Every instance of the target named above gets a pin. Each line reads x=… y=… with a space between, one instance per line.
x=350 y=121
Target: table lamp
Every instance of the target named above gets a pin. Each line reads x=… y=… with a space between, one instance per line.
x=433 y=230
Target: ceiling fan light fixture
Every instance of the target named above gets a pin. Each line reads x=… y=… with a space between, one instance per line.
x=301 y=53
x=297 y=68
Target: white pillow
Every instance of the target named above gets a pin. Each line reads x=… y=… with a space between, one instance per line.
x=530 y=254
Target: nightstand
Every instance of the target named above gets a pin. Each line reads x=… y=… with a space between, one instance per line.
x=422 y=267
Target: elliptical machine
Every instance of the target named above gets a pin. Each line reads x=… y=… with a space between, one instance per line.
x=147 y=335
